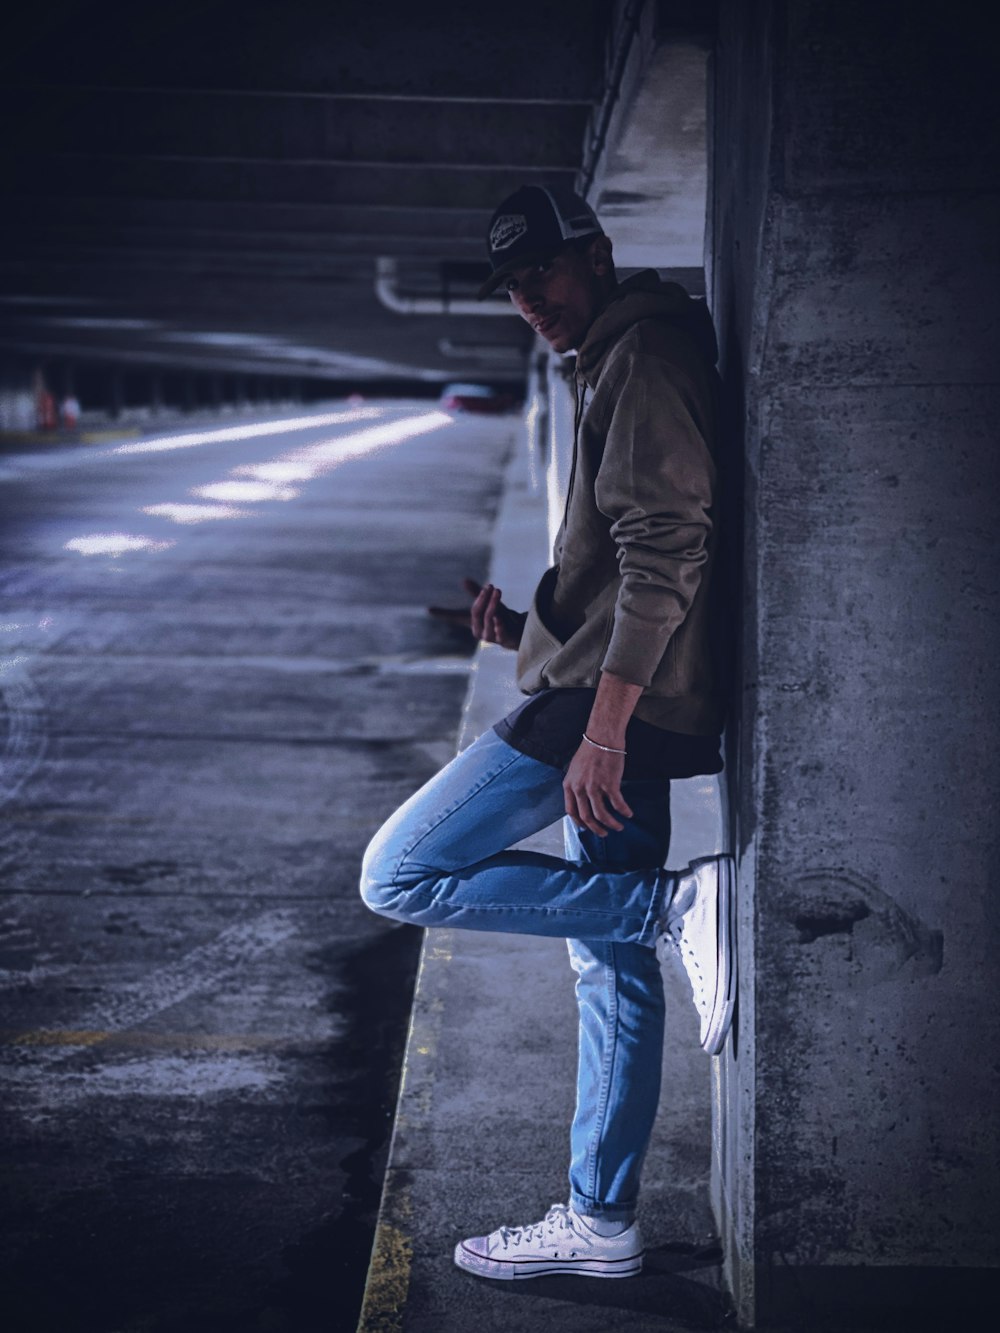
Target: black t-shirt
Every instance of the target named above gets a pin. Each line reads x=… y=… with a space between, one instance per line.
x=549 y=726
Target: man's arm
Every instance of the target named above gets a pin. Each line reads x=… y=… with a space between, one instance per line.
x=655 y=484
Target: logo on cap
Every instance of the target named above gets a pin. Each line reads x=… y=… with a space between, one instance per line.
x=506 y=230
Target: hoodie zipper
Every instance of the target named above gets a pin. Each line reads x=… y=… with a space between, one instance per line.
x=579 y=396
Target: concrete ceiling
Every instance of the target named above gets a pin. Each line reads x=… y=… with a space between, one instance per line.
x=210 y=184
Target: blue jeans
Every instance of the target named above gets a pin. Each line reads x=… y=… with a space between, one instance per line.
x=442 y=860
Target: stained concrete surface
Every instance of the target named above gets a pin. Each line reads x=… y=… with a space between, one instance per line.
x=202 y=1026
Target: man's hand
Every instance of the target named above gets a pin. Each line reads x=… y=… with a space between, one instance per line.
x=593 y=790
x=593 y=782
x=487 y=619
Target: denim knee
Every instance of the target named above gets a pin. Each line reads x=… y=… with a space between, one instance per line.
x=378 y=870
x=381 y=889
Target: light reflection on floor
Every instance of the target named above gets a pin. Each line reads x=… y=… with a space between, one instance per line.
x=244 y=491
x=248 y=432
x=259 y=481
x=115 y=543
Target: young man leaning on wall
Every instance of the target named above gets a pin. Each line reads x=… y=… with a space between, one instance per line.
x=625 y=692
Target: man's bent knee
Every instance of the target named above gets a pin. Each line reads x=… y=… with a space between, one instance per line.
x=384 y=887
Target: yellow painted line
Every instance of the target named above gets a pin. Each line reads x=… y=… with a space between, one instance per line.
x=55 y=1038
x=55 y=439
x=188 y=1041
x=388 y=1283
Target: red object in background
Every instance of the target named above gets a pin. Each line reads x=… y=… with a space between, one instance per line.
x=46 y=417
x=476 y=398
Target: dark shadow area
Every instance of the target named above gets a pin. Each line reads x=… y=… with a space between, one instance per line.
x=859 y=1299
x=157 y=1245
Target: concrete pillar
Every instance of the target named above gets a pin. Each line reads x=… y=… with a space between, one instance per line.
x=853 y=273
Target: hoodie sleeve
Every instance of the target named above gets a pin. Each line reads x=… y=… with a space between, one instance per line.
x=655 y=484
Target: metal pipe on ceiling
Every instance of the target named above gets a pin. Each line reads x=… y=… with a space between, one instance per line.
x=387 y=291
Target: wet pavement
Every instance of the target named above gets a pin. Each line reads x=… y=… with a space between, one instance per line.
x=218 y=678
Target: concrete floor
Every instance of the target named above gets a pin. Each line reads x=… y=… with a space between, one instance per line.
x=202 y=1027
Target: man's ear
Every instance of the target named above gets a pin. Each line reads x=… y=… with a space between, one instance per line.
x=601 y=259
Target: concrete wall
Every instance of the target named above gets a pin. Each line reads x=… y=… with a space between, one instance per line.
x=853 y=272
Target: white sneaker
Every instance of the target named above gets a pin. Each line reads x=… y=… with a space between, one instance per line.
x=560 y=1243
x=700 y=923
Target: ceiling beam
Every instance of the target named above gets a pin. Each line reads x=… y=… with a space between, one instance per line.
x=175 y=124
x=58 y=175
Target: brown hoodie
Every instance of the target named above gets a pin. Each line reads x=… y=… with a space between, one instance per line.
x=629 y=590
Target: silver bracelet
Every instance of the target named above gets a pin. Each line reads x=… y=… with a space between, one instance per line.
x=606 y=748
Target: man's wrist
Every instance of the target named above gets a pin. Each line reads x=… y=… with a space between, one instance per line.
x=611 y=711
x=606 y=749
x=611 y=737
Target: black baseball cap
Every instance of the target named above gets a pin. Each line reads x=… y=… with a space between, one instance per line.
x=535 y=222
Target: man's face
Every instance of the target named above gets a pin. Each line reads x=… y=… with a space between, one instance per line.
x=561 y=297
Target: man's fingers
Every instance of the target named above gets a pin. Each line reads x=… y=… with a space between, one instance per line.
x=619 y=804
x=579 y=809
x=478 y=611
x=485 y=614
x=597 y=810
x=492 y=617
x=571 y=806
x=485 y=618
x=604 y=811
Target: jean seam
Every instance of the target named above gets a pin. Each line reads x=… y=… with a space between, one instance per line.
x=447 y=814
x=657 y=907
x=611 y=1029
x=429 y=895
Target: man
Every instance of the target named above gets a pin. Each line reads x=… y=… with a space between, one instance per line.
x=616 y=657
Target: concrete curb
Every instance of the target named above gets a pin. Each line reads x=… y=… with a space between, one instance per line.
x=519 y=551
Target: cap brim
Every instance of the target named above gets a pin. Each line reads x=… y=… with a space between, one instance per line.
x=505 y=270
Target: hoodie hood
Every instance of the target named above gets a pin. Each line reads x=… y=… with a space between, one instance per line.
x=644 y=296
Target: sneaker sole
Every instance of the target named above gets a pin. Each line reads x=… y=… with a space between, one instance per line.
x=725 y=990
x=507 y=1270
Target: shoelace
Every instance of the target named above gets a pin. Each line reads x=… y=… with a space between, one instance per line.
x=676 y=932
x=556 y=1217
